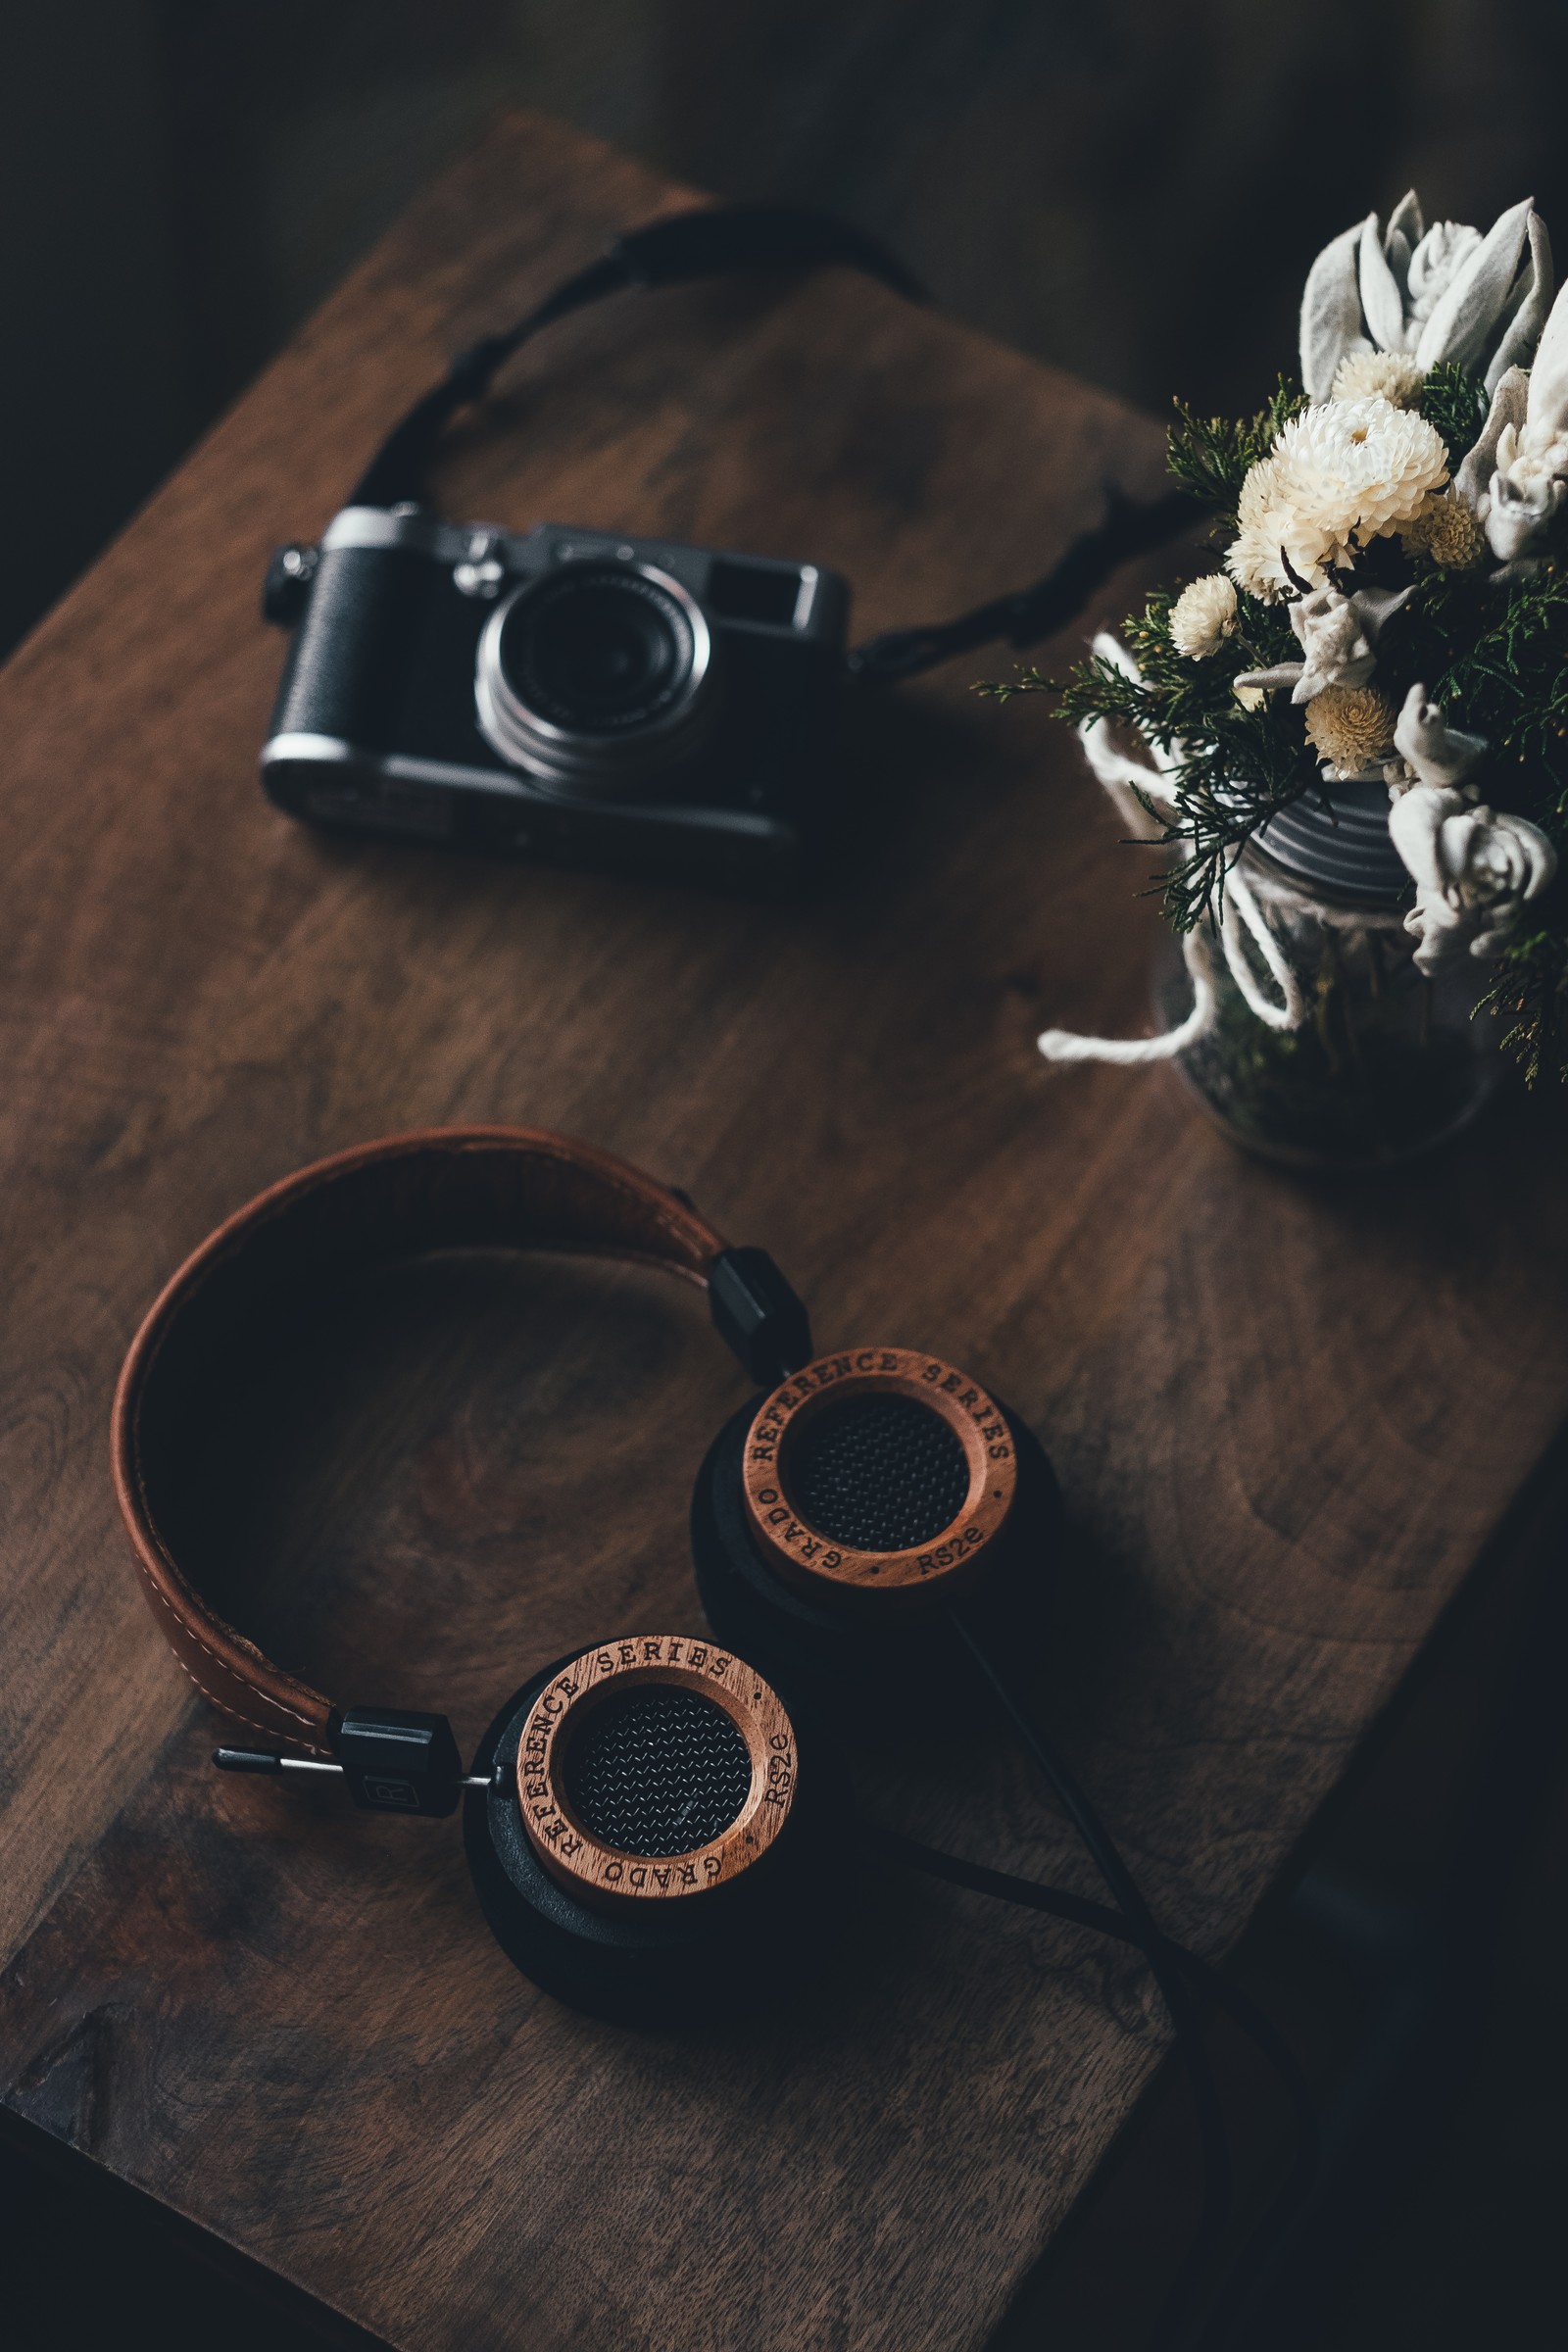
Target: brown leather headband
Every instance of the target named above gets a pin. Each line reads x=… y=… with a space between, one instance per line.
x=445 y=1188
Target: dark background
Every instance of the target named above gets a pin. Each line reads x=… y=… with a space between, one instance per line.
x=1129 y=187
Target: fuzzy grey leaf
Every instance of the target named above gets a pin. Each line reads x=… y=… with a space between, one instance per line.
x=1377 y=605
x=1405 y=222
x=1415 y=828
x=1532 y=311
x=1331 y=310
x=1439 y=755
x=1380 y=298
x=1509 y=397
x=1398 y=249
x=1547 y=409
x=1466 y=314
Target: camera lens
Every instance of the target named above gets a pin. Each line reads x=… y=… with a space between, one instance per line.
x=605 y=651
x=596 y=676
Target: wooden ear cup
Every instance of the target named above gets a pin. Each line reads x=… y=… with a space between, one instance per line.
x=834 y=1516
x=653 y=1849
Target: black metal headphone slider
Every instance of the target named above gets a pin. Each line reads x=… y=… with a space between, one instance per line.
x=757 y=1315
x=267 y=1759
x=399 y=1762
x=270 y=1760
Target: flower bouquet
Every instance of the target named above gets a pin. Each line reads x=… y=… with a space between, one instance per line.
x=1352 y=727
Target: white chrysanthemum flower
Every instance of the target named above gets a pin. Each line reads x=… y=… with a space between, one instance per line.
x=1391 y=376
x=1340 y=474
x=1355 y=469
x=1267 y=522
x=1202 y=616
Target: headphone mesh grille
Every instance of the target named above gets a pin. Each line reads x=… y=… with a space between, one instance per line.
x=879 y=1473
x=657 y=1770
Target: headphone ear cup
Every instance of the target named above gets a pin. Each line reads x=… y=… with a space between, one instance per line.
x=804 y=1645
x=652 y=1963
x=848 y=1656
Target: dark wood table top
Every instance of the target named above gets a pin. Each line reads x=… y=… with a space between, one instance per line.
x=1287 y=1417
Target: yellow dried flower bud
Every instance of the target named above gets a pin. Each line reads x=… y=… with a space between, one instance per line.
x=1446 y=533
x=1251 y=697
x=1350 y=725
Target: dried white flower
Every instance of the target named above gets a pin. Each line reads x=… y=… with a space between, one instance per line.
x=1446 y=532
x=1431 y=752
x=1473 y=869
x=1515 y=479
x=1526 y=435
x=1337 y=634
x=1353 y=728
x=1445 y=293
x=1527 y=491
x=1251 y=697
x=1360 y=467
x=1390 y=375
x=1341 y=473
x=1202 y=616
x=1266 y=522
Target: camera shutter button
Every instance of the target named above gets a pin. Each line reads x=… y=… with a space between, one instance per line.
x=482 y=573
x=288 y=584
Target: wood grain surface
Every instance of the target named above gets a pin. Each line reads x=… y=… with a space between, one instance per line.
x=1286 y=1418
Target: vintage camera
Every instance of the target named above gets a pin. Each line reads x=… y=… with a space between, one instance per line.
x=561 y=695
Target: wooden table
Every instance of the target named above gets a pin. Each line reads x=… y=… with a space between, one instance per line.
x=1286 y=1418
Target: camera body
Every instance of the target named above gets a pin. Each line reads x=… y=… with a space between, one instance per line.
x=561 y=695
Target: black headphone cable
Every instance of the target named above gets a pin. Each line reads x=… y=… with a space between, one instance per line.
x=1172 y=1986
x=1174 y=1971
x=1082 y=1911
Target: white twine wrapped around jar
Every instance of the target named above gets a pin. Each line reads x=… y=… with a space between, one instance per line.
x=1473 y=869
x=1131 y=784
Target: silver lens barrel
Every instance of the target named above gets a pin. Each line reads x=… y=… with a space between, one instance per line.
x=597 y=677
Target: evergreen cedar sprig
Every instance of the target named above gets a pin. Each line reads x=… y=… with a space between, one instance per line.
x=1531 y=993
x=1493 y=654
x=1212 y=456
x=1456 y=405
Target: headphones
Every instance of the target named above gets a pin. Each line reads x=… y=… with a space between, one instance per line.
x=648 y=1816
x=640 y=1813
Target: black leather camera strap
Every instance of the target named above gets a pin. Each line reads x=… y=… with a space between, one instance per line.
x=706 y=242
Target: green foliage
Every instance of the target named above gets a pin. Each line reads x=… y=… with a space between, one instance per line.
x=1456 y=405
x=1234 y=766
x=1507 y=674
x=1212 y=456
x=1493 y=652
x=1531 y=993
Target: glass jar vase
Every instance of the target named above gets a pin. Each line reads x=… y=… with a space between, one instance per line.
x=1384 y=1063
